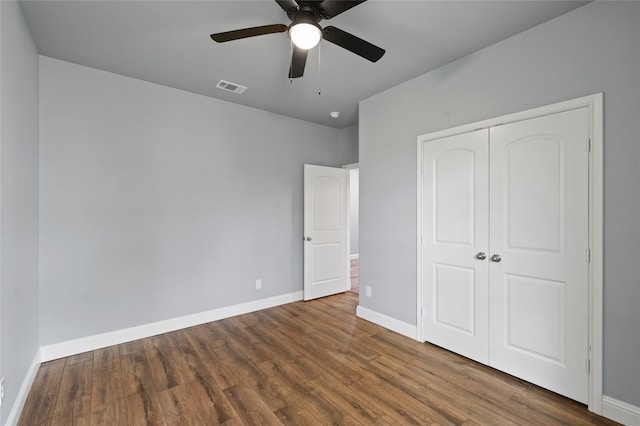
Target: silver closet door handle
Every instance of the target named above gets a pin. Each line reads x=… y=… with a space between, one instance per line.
x=308 y=239
x=481 y=256
x=496 y=258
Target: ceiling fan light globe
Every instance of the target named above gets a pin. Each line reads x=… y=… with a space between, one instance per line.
x=305 y=35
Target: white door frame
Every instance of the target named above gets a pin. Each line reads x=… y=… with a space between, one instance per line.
x=349 y=167
x=594 y=103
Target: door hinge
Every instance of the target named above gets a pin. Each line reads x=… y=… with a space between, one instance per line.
x=587 y=365
x=588 y=255
x=588 y=144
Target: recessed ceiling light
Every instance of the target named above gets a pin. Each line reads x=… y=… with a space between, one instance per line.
x=334 y=114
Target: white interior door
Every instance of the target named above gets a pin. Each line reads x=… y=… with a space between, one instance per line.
x=455 y=243
x=325 y=231
x=539 y=230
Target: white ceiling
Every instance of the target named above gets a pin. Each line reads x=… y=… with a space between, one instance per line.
x=167 y=42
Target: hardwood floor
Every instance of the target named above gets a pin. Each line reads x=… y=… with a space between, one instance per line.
x=355 y=276
x=305 y=363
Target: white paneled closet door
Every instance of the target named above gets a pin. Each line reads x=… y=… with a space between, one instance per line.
x=456 y=217
x=539 y=229
x=505 y=239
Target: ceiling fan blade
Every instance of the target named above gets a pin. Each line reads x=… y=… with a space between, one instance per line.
x=298 y=61
x=331 y=8
x=287 y=5
x=248 y=32
x=352 y=43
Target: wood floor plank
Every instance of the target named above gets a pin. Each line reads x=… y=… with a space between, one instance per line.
x=107 y=380
x=130 y=347
x=40 y=406
x=558 y=411
x=423 y=389
x=210 y=397
x=165 y=365
x=272 y=340
x=212 y=403
x=361 y=349
x=332 y=361
x=250 y=406
x=395 y=409
x=419 y=402
x=304 y=363
x=176 y=338
x=204 y=346
x=239 y=330
x=140 y=401
x=73 y=405
x=291 y=410
x=304 y=403
x=215 y=330
x=108 y=414
x=358 y=407
x=249 y=374
x=143 y=408
x=79 y=358
x=282 y=383
x=136 y=374
x=439 y=390
x=82 y=411
x=235 y=363
x=179 y=407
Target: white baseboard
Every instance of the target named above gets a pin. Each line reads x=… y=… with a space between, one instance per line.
x=621 y=412
x=354 y=256
x=388 y=322
x=23 y=393
x=90 y=343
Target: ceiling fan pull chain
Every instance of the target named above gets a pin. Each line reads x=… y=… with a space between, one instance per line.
x=319 y=73
x=291 y=61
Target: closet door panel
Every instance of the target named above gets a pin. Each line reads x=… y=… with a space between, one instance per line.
x=539 y=231
x=455 y=208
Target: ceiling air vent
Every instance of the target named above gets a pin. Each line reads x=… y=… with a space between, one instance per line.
x=230 y=87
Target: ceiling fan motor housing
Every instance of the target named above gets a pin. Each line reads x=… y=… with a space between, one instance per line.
x=309 y=11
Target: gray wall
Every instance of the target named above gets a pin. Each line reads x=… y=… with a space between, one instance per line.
x=157 y=203
x=349 y=141
x=18 y=201
x=595 y=48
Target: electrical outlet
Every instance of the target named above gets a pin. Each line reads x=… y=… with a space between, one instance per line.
x=258 y=284
x=367 y=290
x=1 y=391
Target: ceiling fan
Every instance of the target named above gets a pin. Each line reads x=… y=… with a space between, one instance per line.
x=305 y=31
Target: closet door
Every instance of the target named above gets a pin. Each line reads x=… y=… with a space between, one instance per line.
x=538 y=257
x=455 y=241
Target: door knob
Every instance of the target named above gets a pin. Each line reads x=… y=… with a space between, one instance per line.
x=496 y=258
x=308 y=239
x=481 y=256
